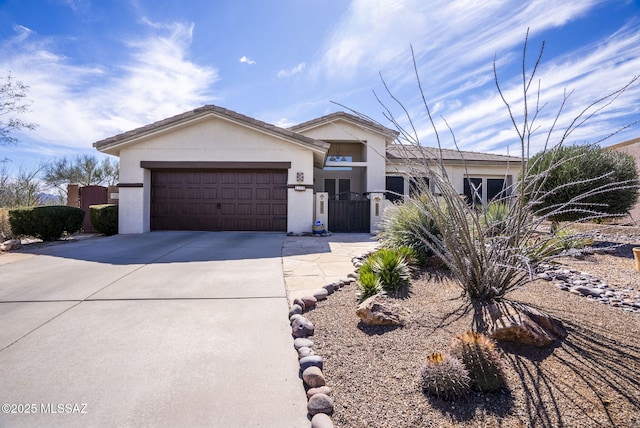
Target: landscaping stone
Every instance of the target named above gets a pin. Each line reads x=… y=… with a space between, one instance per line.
x=313 y=377
x=302 y=343
x=320 y=294
x=11 y=244
x=381 y=310
x=294 y=317
x=310 y=361
x=309 y=302
x=305 y=352
x=320 y=390
x=302 y=327
x=330 y=288
x=298 y=301
x=518 y=323
x=320 y=403
x=295 y=309
x=584 y=284
x=321 y=420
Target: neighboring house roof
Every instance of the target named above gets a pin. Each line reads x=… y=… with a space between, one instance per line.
x=403 y=152
x=113 y=144
x=625 y=143
x=389 y=134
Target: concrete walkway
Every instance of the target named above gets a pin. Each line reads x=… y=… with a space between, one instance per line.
x=309 y=263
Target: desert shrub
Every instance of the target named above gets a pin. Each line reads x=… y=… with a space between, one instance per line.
x=46 y=222
x=368 y=285
x=481 y=359
x=409 y=225
x=390 y=267
x=444 y=376
x=570 y=183
x=5 y=227
x=104 y=218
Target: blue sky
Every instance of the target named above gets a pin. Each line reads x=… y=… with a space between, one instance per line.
x=97 y=68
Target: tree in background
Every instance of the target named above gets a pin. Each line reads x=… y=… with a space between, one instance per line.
x=13 y=102
x=22 y=190
x=85 y=170
x=583 y=182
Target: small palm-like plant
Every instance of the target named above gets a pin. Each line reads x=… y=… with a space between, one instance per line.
x=391 y=267
x=368 y=285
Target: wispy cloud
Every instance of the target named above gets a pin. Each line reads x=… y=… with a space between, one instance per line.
x=295 y=70
x=246 y=60
x=76 y=104
x=455 y=46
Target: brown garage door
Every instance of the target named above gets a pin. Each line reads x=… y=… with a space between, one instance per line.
x=219 y=200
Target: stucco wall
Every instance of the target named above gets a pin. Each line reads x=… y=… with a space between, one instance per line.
x=212 y=139
x=633 y=150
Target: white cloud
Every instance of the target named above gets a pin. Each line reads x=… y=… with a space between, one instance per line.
x=295 y=70
x=77 y=104
x=247 y=60
x=455 y=45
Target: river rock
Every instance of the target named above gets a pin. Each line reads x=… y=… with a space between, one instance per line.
x=310 y=361
x=302 y=327
x=313 y=377
x=320 y=403
x=295 y=309
x=309 y=302
x=320 y=390
x=321 y=420
x=302 y=342
x=320 y=294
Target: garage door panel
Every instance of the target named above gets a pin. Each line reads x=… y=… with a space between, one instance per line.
x=219 y=200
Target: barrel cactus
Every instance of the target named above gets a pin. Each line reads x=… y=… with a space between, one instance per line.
x=445 y=377
x=479 y=355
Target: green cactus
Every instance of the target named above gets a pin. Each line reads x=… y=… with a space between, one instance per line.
x=479 y=355
x=445 y=377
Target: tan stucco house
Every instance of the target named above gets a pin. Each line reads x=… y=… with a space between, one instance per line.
x=214 y=169
x=631 y=147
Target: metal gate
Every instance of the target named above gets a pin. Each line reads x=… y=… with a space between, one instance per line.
x=349 y=212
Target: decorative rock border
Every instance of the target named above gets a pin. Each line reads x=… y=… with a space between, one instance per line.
x=320 y=405
x=590 y=287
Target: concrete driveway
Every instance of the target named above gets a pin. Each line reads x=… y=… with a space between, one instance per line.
x=159 y=329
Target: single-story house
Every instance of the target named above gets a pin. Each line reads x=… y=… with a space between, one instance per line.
x=631 y=147
x=214 y=169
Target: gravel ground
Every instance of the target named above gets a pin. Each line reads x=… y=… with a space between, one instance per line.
x=590 y=379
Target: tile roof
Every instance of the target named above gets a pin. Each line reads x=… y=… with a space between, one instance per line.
x=407 y=152
x=390 y=133
x=202 y=111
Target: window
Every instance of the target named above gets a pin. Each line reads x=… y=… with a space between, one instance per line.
x=496 y=188
x=418 y=183
x=473 y=190
x=395 y=188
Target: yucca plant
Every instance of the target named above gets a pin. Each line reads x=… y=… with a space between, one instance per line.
x=444 y=376
x=368 y=285
x=409 y=225
x=494 y=217
x=391 y=267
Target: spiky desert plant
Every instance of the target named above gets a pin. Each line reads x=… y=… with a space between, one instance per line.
x=408 y=224
x=368 y=285
x=480 y=357
x=444 y=376
x=391 y=267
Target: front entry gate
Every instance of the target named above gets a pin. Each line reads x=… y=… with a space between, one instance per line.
x=349 y=213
